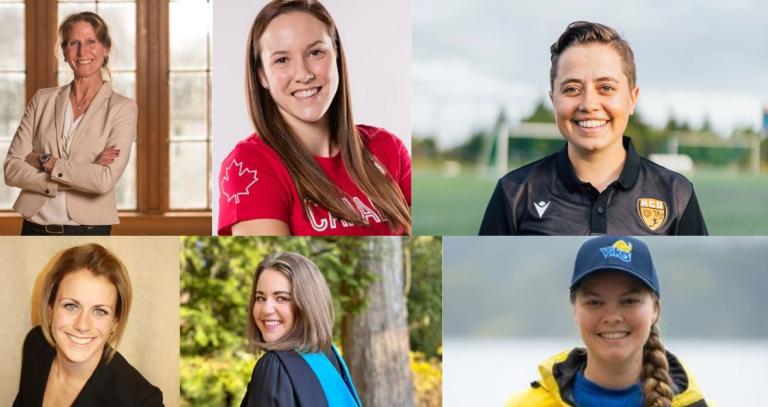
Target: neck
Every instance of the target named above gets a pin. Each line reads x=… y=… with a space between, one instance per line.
x=612 y=375
x=316 y=137
x=83 y=87
x=599 y=168
x=74 y=372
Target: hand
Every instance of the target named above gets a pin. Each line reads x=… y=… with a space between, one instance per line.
x=108 y=156
x=33 y=159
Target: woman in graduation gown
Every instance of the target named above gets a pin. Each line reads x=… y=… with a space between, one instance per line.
x=291 y=327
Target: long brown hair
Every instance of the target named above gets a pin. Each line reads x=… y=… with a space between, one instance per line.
x=311 y=182
x=584 y=32
x=657 y=384
x=312 y=305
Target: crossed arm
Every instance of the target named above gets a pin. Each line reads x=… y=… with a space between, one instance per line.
x=23 y=168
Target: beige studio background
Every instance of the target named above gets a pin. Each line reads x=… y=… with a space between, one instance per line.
x=151 y=339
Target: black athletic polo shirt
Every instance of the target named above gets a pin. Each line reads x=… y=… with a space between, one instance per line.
x=546 y=198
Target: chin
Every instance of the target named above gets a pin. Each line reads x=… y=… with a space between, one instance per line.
x=77 y=355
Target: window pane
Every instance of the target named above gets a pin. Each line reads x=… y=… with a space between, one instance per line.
x=189 y=175
x=12 y=104
x=12 y=34
x=124 y=83
x=189 y=33
x=121 y=20
x=189 y=106
x=125 y=191
x=189 y=29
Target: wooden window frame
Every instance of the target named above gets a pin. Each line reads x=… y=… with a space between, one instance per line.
x=153 y=215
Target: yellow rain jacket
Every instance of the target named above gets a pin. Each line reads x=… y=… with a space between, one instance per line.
x=555 y=388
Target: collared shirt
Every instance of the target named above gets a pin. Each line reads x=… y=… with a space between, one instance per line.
x=547 y=198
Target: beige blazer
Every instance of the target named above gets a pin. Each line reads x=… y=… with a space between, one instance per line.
x=109 y=121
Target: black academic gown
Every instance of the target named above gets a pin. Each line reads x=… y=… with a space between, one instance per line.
x=116 y=383
x=284 y=379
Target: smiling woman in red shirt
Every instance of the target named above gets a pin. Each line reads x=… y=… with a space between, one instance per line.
x=308 y=169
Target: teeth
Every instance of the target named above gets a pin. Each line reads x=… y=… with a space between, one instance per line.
x=614 y=335
x=84 y=61
x=80 y=340
x=272 y=323
x=305 y=93
x=591 y=123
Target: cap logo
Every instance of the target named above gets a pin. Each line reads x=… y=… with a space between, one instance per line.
x=652 y=211
x=620 y=249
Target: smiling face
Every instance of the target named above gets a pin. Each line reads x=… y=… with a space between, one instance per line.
x=298 y=67
x=84 y=53
x=615 y=313
x=592 y=98
x=83 y=316
x=273 y=309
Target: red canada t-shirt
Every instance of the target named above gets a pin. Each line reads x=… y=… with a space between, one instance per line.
x=255 y=184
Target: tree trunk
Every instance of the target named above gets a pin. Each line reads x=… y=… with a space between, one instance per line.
x=376 y=340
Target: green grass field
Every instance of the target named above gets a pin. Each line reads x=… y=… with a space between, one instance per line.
x=733 y=203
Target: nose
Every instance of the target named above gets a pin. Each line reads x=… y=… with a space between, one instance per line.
x=82 y=322
x=613 y=315
x=589 y=101
x=269 y=306
x=303 y=72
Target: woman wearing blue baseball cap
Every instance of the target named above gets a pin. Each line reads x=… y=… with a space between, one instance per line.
x=615 y=297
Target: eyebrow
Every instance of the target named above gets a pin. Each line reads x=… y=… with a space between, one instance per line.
x=274 y=292
x=281 y=52
x=579 y=81
x=79 y=303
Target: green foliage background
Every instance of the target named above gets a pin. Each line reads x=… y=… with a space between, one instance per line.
x=216 y=283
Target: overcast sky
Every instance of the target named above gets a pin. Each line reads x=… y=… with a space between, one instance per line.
x=694 y=58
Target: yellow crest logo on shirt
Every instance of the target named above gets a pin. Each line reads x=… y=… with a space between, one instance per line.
x=652 y=211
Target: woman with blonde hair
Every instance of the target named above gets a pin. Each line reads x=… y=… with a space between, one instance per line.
x=73 y=143
x=70 y=359
x=291 y=329
x=615 y=295
x=308 y=169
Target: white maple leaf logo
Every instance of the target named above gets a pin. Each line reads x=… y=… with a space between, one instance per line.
x=244 y=175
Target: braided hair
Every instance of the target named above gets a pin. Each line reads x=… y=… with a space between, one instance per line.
x=656 y=383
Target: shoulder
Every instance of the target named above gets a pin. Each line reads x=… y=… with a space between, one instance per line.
x=130 y=387
x=686 y=389
x=120 y=104
x=35 y=342
x=251 y=154
x=544 y=167
x=268 y=361
x=534 y=396
x=666 y=176
x=50 y=92
x=546 y=391
x=47 y=95
x=377 y=138
x=270 y=383
x=252 y=148
x=117 y=99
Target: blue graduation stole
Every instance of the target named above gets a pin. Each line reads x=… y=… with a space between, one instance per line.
x=339 y=391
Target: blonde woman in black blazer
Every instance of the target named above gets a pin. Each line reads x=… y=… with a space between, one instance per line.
x=70 y=358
